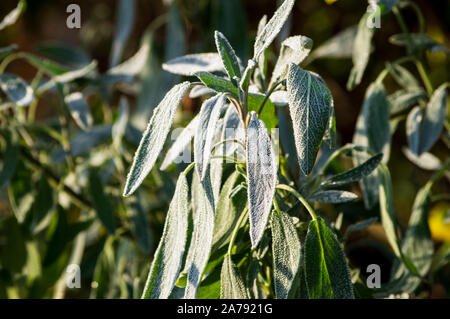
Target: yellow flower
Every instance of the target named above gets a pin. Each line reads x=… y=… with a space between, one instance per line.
x=439 y=221
x=330 y=1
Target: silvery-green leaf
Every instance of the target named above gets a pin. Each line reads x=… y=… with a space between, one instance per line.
x=228 y=210
x=338 y=47
x=261 y=71
x=413 y=122
x=309 y=105
x=79 y=110
x=233 y=129
x=272 y=28
x=440 y=258
x=75 y=74
x=124 y=25
x=402 y=76
x=65 y=54
x=154 y=137
x=286 y=250
x=404 y=99
x=216 y=83
x=280 y=98
x=361 y=51
x=333 y=197
x=418 y=40
x=373 y=132
x=12 y=16
x=199 y=91
x=229 y=58
x=101 y=201
x=202 y=237
x=217 y=163
x=417 y=244
x=425 y=161
x=330 y=135
x=129 y=69
x=360 y=225
x=354 y=174
x=119 y=127
x=326 y=270
x=17 y=90
x=231 y=284
x=192 y=63
x=5 y=51
x=434 y=118
x=168 y=257
x=388 y=219
x=261 y=177
x=293 y=50
x=204 y=134
x=180 y=144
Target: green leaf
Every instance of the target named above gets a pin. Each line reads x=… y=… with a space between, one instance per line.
x=413 y=122
x=354 y=174
x=338 y=47
x=440 y=258
x=293 y=50
x=124 y=25
x=168 y=257
x=360 y=226
x=5 y=51
x=403 y=77
x=17 y=90
x=286 y=250
x=418 y=40
x=101 y=201
x=388 y=219
x=229 y=58
x=309 y=105
x=373 y=132
x=154 y=137
x=326 y=270
x=229 y=207
x=272 y=28
x=425 y=161
x=75 y=74
x=64 y=54
x=180 y=144
x=12 y=17
x=361 y=51
x=10 y=159
x=334 y=197
x=13 y=253
x=433 y=121
x=190 y=64
x=231 y=284
x=118 y=129
x=140 y=226
x=204 y=135
x=404 y=99
x=261 y=177
x=200 y=247
x=217 y=83
x=79 y=110
x=417 y=245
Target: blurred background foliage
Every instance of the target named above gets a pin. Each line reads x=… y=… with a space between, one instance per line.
x=47 y=220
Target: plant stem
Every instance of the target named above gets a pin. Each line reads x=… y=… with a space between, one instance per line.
x=300 y=198
x=266 y=98
x=236 y=230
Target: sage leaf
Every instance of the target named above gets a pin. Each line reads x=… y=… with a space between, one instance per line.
x=231 y=284
x=204 y=135
x=293 y=50
x=413 y=122
x=10 y=159
x=124 y=25
x=79 y=110
x=272 y=28
x=333 y=197
x=216 y=83
x=326 y=270
x=403 y=77
x=418 y=41
x=199 y=91
x=425 y=161
x=202 y=236
x=361 y=51
x=355 y=174
x=181 y=143
x=309 y=105
x=5 y=51
x=388 y=219
x=168 y=257
x=129 y=69
x=118 y=130
x=404 y=99
x=12 y=17
x=229 y=58
x=190 y=64
x=417 y=244
x=434 y=118
x=360 y=226
x=17 y=90
x=261 y=177
x=101 y=201
x=154 y=136
x=372 y=132
x=338 y=47
x=286 y=250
